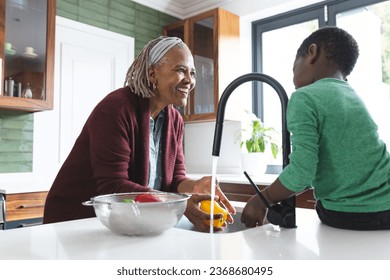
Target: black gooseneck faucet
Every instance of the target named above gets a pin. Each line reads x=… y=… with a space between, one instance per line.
x=283 y=213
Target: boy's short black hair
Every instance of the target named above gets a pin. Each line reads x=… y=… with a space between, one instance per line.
x=339 y=46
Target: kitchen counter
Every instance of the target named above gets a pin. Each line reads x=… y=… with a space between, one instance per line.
x=89 y=239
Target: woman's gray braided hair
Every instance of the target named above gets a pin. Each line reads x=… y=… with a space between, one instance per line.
x=137 y=77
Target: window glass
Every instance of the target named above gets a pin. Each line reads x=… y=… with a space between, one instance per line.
x=370 y=26
x=279 y=50
x=25 y=49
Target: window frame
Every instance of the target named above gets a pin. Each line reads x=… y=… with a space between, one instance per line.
x=328 y=8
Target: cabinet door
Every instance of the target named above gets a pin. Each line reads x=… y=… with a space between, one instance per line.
x=91 y=62
x=26 y=50
x=203 y=100
x=178 y=29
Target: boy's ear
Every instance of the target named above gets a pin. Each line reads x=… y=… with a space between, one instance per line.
x=314 y=53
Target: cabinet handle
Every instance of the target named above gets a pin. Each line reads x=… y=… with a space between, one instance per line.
x=29 y=225
x=30 y=206
x=1 y=69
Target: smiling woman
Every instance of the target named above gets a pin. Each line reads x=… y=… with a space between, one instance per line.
x=132 y=140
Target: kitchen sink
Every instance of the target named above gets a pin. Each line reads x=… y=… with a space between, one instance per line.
x=184 y=223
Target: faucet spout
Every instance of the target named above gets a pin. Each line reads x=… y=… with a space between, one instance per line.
x=286 y=148
x=225 y=96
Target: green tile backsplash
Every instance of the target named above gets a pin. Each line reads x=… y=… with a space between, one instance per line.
x=121 y=16
x=16 y=141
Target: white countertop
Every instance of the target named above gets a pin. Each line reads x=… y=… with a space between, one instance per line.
x=89 y=239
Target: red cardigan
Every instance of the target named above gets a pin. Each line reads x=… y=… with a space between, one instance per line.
x=111 y=155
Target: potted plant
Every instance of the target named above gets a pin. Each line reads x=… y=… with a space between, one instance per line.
x=255 y=139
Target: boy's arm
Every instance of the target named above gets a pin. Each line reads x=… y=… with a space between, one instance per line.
x=276 y=192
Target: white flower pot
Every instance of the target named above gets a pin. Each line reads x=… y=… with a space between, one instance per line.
x=254 y=163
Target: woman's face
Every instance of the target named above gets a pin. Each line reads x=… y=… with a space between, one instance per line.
x=174 y=77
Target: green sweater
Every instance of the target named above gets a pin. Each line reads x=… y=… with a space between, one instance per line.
x=336 y=149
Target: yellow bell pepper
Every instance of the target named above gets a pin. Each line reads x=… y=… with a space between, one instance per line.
x=205 y=206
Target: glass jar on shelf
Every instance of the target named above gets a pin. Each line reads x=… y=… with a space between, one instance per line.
x=27 y=92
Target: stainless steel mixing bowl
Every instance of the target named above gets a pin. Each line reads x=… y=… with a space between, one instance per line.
x=138 y=218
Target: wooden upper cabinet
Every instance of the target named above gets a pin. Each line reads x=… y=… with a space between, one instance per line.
x=27 y=54
x=213 y=38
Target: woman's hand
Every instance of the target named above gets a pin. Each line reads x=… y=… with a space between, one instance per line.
x=254 y=213
x=203 y=186
x=197 y=216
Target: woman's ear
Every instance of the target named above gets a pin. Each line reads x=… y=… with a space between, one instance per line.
x=314 y=53
x=152 y=74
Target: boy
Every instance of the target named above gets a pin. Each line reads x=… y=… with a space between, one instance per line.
x=335 y=144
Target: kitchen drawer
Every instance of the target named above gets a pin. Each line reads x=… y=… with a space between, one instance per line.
x=21 y=206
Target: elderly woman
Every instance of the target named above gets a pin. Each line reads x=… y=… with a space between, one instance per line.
x=132 y=141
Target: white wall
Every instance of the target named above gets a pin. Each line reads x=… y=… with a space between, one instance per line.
x=198 y=143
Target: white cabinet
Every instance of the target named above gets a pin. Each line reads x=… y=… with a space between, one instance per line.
x=90 y=63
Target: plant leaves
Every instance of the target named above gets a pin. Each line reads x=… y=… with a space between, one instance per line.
x=274 y=149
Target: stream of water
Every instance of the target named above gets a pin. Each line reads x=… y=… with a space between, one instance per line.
x=213 y=186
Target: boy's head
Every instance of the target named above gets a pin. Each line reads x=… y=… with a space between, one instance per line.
x=335 y=48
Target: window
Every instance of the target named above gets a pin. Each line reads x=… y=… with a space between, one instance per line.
x=276 y=40
x=277 y=55
x=370 y=26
